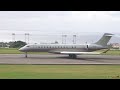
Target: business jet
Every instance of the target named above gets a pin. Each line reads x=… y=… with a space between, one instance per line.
x=70 y=49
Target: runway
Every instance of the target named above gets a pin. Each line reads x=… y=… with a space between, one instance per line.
x=58 y=59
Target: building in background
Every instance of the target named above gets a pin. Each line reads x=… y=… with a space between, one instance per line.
x=115 y=45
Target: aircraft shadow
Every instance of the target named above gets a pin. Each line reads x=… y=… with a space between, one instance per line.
x=78 y=58
x=90 y=58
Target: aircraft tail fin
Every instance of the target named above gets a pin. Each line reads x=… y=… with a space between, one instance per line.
x=104 y=39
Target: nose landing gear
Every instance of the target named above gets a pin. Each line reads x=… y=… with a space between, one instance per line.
x=25 y=54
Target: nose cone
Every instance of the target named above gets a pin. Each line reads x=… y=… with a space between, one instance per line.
x=21 y=49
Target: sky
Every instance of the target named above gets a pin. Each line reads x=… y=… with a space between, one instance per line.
x=48 y=26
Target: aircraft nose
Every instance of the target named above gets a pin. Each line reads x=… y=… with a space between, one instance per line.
x=21 y=49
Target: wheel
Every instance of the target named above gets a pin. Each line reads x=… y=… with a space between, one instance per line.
x=25 y=54
x=73 y=56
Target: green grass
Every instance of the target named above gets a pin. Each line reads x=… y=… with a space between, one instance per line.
x=10 y=51
x=112 y=52
x=59 y=71
x=16 y=51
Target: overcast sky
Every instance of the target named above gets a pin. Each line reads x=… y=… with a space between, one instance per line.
x=57 y=22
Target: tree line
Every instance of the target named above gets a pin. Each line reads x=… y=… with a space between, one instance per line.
x=11 y=44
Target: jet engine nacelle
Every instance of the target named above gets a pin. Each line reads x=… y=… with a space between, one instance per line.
x=95 y=47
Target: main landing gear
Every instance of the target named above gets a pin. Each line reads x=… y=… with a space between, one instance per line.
x=73 y=56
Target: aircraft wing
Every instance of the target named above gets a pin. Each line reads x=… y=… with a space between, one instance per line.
x=81 y=53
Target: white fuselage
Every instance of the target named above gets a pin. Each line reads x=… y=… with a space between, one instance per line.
x=71 y=49
x=60 y=47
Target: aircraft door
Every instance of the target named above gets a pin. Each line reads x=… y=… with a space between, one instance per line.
x=87 y=47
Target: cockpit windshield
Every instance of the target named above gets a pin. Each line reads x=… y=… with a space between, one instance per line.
x=27 y=46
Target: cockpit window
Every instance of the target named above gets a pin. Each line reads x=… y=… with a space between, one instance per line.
x=27 y=46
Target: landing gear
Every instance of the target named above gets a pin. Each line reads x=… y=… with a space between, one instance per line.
x=25 y=54
x=73 y=56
